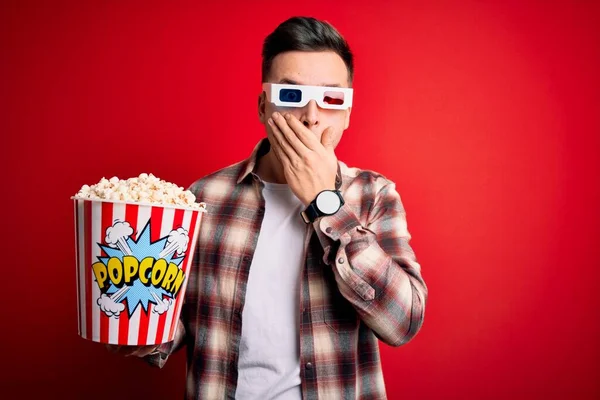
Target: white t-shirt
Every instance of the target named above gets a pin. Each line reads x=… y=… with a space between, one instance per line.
x=269 y=359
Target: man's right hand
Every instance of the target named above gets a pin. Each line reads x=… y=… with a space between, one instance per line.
x=137 y=351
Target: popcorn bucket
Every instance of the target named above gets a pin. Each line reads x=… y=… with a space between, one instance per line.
x=132 y=261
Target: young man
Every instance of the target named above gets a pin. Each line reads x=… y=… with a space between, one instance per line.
x=302 y=262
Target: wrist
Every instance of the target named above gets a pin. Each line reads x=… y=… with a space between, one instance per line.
x=327 y=202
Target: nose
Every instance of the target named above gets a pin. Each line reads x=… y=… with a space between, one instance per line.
x=310 y=114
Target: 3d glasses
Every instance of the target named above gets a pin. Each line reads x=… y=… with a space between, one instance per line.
x=283 y=95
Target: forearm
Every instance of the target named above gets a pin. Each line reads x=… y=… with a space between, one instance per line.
x=380 y=278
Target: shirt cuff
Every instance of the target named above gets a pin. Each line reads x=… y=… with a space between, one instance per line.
x=159 y=356
x=336 y=225
x=333 y=230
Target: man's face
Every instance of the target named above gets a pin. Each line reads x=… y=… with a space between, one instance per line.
x=314 y=69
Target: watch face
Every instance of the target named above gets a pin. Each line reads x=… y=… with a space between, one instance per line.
x=328 y=202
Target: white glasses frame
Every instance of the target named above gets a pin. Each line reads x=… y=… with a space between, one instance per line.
x=316 y=93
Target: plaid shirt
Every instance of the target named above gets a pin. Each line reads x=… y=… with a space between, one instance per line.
x=360 y=282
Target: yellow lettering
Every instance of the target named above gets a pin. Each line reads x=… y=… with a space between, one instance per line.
x=115 y=270
x=130 y=268
x=100 y=273
x=178 y=282
x=158 y=271
x=145 y=265
x=170 y=276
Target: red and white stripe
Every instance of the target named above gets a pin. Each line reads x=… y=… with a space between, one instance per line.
x=92 y=218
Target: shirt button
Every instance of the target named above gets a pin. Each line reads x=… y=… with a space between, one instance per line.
x=309 y=365
x=341 y=260
x=328 y=230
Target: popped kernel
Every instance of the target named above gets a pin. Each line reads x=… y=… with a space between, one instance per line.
x=145 y=188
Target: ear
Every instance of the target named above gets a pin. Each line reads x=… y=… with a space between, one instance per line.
x=347 y=121
x=261 y=107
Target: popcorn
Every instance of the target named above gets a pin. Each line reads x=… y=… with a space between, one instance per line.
x=146 y=188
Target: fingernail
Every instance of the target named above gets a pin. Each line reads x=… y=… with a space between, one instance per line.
x=288 y=116
x=270 y=121
x=276 y=115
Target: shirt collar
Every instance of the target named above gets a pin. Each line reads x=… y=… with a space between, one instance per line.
x=249 y=164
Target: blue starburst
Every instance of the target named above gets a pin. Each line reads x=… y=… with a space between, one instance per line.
x=138 y=293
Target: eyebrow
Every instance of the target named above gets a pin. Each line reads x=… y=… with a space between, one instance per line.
x=286 y=81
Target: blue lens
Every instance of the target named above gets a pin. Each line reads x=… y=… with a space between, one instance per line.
x=290 y=95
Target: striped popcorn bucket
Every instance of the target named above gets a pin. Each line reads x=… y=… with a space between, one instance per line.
x=132 y=265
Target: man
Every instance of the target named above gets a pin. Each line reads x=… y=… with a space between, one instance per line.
x=302 y=262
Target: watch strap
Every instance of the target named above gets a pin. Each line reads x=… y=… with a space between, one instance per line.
x=310 y=214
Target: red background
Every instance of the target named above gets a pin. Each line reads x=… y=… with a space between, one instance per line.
x=486 y=114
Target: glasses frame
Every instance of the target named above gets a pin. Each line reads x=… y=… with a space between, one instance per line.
x=316 y=93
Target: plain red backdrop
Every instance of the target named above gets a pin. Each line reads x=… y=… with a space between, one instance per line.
x=485 y=114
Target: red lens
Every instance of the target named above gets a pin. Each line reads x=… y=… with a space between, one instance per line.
x=333 y=100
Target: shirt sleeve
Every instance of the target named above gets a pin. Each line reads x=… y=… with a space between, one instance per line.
x=375 y=268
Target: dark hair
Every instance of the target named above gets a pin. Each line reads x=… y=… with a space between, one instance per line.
x=305 y=34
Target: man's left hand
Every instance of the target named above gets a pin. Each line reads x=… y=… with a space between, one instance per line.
x=309 y=166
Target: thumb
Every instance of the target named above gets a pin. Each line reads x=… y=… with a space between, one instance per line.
x=327 y=138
